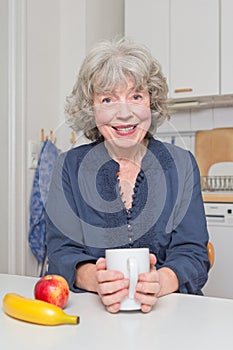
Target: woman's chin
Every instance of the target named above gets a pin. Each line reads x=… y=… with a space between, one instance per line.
x=124 y=143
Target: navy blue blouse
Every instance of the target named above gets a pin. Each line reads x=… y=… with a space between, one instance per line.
x=86 y=215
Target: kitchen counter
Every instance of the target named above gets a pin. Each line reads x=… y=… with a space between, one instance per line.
x=218 y=197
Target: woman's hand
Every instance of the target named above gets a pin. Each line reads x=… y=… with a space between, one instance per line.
x=148 y=287
x=112 y=287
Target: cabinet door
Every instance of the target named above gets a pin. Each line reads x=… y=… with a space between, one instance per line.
x=194 y=48
x=227 y=48
x=147 y=22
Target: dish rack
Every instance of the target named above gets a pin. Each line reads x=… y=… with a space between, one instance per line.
x=217 y=183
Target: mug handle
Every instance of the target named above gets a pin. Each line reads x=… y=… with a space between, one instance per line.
x=133 y=276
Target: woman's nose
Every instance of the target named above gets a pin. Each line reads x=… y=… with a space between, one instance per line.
x=123 y=110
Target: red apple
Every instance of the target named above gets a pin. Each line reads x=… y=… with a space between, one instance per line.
x=53 y=289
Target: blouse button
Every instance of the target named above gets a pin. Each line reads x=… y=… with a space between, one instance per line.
x=129 y=227
x=141 y=175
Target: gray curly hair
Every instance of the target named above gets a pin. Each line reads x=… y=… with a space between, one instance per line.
x=108 y=64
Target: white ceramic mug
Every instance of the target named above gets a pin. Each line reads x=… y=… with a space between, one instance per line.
x=131 y=262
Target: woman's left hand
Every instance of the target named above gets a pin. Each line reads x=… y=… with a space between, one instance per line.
x=148 y=287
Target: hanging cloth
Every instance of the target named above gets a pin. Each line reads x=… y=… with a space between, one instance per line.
x=39 y=194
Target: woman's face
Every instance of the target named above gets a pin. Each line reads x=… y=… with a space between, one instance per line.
x=123 y=115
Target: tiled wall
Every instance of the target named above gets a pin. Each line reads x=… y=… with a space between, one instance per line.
x=181 y=128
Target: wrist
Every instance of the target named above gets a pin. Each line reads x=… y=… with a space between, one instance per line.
x=86 y=277
x=168 y=281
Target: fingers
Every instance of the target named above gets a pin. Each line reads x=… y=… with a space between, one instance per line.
x=146 y=308
x=107 y=288
x=147 y=300
x=113 y=299
x=148 y=287
x=108 y=276
x=113 y=308
x=153 y=260
x=104 y=275
x=101 y=264
x=112 y=286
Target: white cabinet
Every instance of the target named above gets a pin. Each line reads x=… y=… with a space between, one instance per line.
x=226 y=47
x=194 y=48
x=147 y=22
x=184 y=36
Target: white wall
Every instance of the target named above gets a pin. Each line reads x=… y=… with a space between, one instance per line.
x=72 y=46
x=47 y=43
x=182 y=126
x=4 y=135
x=43 y=85
x=107 y=17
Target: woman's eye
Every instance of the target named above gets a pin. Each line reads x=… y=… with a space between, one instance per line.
x=106 y=100
x=137 y=97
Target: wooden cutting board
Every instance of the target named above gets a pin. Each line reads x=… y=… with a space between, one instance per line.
x=213 y=146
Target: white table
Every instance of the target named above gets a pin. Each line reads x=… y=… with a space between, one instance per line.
x=176 y=322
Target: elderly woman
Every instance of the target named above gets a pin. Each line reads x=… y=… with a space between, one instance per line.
x=125 y=188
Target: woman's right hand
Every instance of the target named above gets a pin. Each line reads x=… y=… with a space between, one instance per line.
x=112 y=287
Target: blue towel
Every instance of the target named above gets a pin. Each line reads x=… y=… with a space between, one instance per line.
x=39 y=194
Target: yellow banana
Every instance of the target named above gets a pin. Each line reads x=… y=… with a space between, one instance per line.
x=35 y=311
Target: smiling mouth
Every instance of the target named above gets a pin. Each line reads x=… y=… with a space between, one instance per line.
x=125 y=129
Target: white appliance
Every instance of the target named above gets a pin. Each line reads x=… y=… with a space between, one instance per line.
x=220 y=226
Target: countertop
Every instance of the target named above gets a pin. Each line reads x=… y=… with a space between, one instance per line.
x=177 y=321
x=218 y=197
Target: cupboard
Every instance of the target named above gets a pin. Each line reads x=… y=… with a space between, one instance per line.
x=226 y=86
x=194 y=48
x=191 y=41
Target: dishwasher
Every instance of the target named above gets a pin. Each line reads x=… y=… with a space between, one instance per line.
x=219 y=218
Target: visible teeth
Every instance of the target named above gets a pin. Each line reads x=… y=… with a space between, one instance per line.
x=125 y=129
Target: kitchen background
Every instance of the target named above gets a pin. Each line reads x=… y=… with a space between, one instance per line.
x=42 y=46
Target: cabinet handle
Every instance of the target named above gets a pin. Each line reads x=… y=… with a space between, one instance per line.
x=183 y=90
